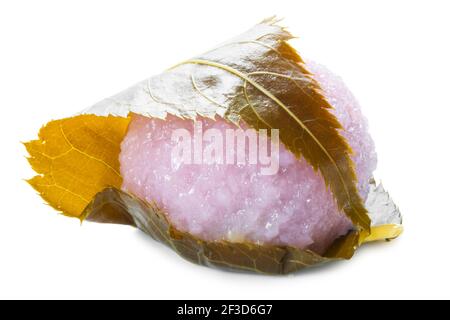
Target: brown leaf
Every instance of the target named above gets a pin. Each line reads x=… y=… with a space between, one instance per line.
x=115 y=206
x=260 y=79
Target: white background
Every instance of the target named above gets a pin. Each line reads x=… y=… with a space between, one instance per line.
x=58 y=57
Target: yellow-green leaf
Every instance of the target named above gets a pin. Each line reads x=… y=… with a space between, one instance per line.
x=75 y=158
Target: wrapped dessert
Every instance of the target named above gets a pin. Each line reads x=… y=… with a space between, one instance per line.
x=246 y=158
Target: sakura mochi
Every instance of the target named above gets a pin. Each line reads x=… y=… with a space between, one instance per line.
x=245 y=157
x=237 y=202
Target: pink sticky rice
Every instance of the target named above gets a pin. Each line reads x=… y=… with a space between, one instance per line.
x=236 y=202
